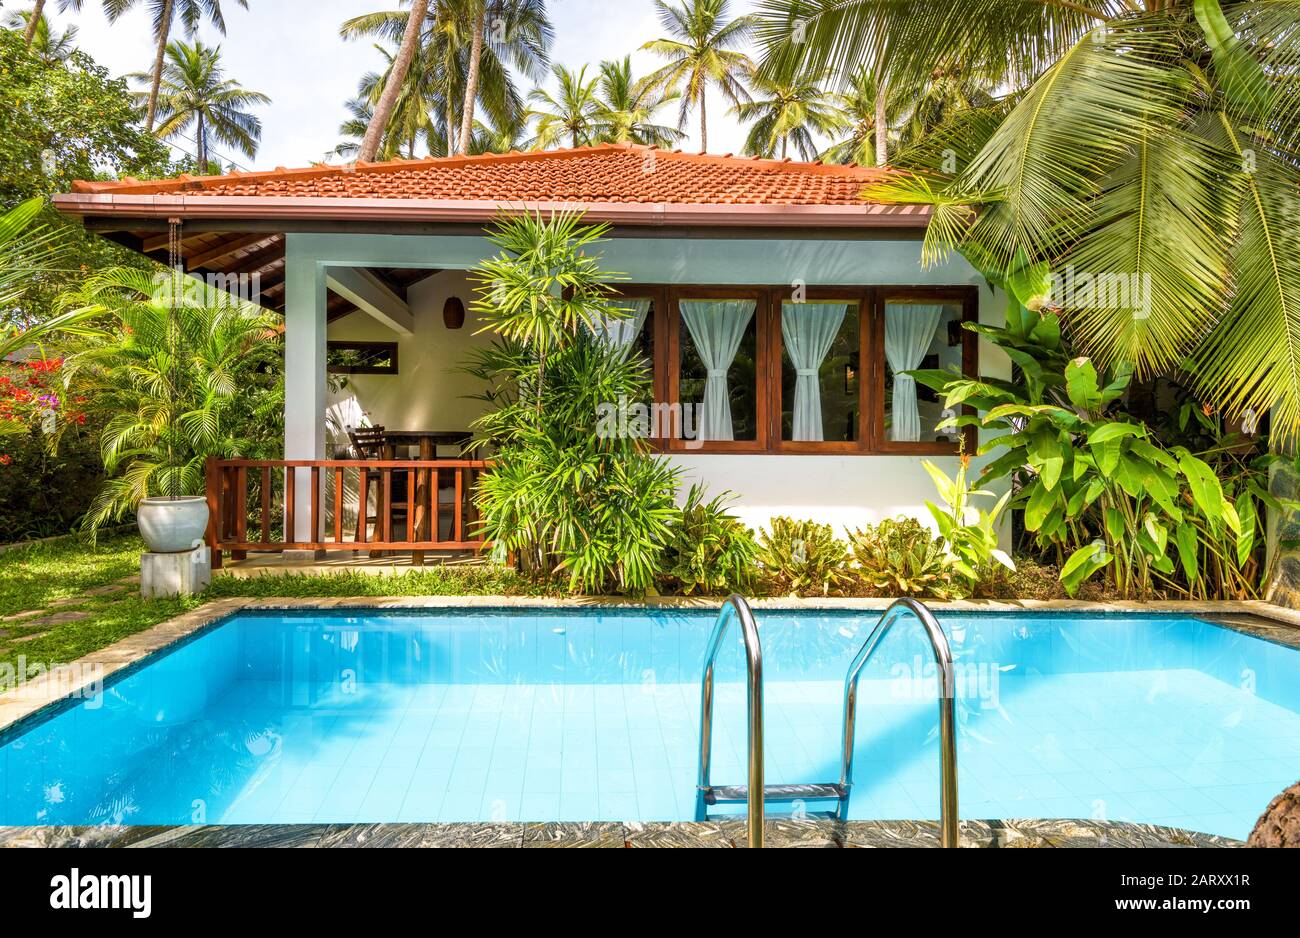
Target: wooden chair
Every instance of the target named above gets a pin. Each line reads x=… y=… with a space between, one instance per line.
x=369 y=444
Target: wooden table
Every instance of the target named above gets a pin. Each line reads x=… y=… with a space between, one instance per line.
x=428 y=441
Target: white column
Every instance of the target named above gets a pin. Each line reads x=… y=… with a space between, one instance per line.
x=304 y=373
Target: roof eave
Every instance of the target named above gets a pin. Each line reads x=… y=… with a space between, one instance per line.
x=263 y=208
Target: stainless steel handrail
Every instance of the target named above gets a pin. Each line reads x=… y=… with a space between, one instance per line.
x=737 y=606
x=947 y=711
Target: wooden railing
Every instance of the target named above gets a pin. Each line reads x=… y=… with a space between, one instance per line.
x=255 y=506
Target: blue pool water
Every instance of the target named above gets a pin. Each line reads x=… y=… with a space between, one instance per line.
x=594 y=715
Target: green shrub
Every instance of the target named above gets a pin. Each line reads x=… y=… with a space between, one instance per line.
x=803 y=557
x=902 y=557
x=710 y=552
x=565 y=496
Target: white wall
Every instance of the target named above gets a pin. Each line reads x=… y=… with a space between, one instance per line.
x=846 y=491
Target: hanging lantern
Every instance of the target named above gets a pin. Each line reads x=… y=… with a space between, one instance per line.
x=453 y=313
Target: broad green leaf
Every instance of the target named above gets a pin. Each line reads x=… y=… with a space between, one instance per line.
x=1040 y=503
x=1116 y=430
x=1081 y=384
x=1188 y=541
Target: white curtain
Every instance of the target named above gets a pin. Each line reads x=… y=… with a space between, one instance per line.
x=909 y=331
x=809 y=330
x=717 y=328
x=621 y=334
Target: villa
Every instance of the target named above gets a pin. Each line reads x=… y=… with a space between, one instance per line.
x=778 y=306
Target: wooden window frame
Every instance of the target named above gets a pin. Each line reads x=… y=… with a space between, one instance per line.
x=968 y=297
x=347 y=344
x=871 y=300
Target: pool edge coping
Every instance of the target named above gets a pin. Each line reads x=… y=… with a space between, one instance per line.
x=28 y=703
x=785 y=832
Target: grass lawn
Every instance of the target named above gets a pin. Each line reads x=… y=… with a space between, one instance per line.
x=88 y=598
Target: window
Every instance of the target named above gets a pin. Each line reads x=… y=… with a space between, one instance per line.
x=762 y=369
x=920 y=332
x=718 y=374
x=821 y=370
x=361 y=358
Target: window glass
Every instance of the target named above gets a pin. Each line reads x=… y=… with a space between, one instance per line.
x=920 y=334
x=820 y=371
x=632 y=334
x=719 y=379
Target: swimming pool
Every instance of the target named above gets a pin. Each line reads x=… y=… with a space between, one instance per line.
x=535 y=715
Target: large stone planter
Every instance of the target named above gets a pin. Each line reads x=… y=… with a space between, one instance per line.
x=173 y=525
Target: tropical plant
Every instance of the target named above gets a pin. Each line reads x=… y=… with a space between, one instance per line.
x=1098 y=488
x=901 y=557
x=702 y=47
x=628 y=108
x=51 y=46
x=802 y=557
x=572 y=114
x=1152 y=143
x=563 y=496
x=194 y=93
x=171 y=384
x=978 y=563
x=789 y=109
x=163 y=14
x=711 y=551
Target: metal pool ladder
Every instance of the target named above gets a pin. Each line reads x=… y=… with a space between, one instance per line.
x=755 y=794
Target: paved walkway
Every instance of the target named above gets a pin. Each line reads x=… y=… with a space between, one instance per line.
x=31 y=624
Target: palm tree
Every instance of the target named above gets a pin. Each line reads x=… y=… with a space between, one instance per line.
x=938 y=100
x=857 y=103
x=194 y=92
x=790 y=109
x=520 y=28
x=52 y=47
x=573 y=111
x=1151 y=142
x=701 y=48
x=192 y=13
x=446 y=44
x=172 y=385
x=397 y=72
x=628 y=108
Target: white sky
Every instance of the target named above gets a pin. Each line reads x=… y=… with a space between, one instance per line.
x=291 y=50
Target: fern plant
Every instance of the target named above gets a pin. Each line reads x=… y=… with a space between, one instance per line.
x=803 y=557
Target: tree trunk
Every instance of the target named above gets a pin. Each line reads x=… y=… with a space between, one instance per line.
x=704 y=122
x=164 y=33
x=34 y=21
x=882 y=125
x=396 y=78
x=471 y=80
x=201 y=135
x=784 y=140
x=451 y=127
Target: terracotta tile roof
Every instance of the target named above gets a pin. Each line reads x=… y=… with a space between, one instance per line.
x=610 y=173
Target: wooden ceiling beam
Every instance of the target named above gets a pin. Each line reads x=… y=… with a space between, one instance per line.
x=224 y=250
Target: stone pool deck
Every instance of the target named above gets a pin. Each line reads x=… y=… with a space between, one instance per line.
x=777 y=834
